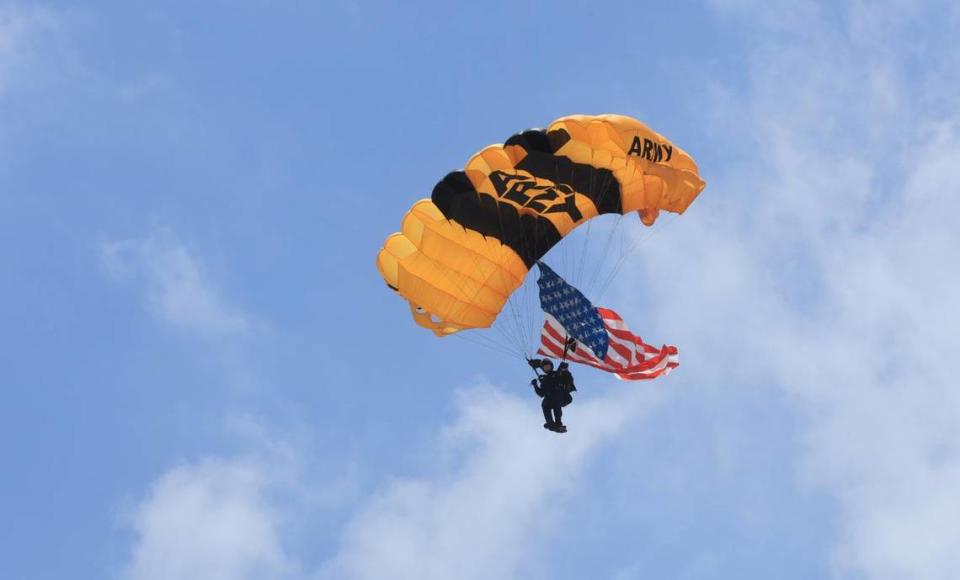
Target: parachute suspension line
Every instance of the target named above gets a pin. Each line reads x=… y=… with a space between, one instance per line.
x=518 y=330
x=602 y=261
x=517 y=306
x=526 y=309
x=511 y=324
x=608 y=279
x=641 y=240
x=517 y=327
x=566 y=255
x=527 y=313
x=532 y=294
x=583 y=270
x=624 y=254
x=578 y=275
x=533 y=320
x=485 y=342
x=578 y=265
x=483 y=338
x=506 y=330
x=623 y=244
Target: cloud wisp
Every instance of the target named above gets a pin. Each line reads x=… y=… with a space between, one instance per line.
x=830 y=259
x=478 y=518
x=211 y=520
x=481 y=520
x=177 y=289
x=22 y=31
x=823 y=269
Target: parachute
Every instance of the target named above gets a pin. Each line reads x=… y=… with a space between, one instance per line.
x=460 y=255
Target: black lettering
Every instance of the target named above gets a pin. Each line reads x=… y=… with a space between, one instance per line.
x=647 y=146
x=518 y=192
x=530 y=236
x=516 y=187
x=510 y=187
x=651 y=150
x=599 y=185
x=569 y=206
x=549 y=194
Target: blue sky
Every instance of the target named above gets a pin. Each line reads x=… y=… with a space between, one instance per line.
x=203 y=376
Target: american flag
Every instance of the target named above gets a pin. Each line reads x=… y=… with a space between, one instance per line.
x=599 y=336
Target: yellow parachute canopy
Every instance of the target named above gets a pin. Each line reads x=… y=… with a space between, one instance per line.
x=460 y=255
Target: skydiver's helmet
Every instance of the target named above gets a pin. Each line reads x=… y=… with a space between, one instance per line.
x=563 y=366
x=546 y=365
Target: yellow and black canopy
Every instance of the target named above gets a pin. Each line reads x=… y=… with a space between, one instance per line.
x=460 y=254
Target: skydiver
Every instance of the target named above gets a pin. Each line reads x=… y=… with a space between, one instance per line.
x=556 y=388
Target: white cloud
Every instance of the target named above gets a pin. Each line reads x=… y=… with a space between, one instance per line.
x=889 y=441
x=177 y=289
x=826 y=266
x=212 y=521
x=20 y=31
x=483 y=519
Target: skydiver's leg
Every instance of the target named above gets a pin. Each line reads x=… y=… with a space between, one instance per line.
x=545 y=405
x=558 y=426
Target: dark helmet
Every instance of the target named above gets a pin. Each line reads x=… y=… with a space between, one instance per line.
x=546 y=363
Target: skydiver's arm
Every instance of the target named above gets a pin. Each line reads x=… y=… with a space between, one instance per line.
x=536 y=388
